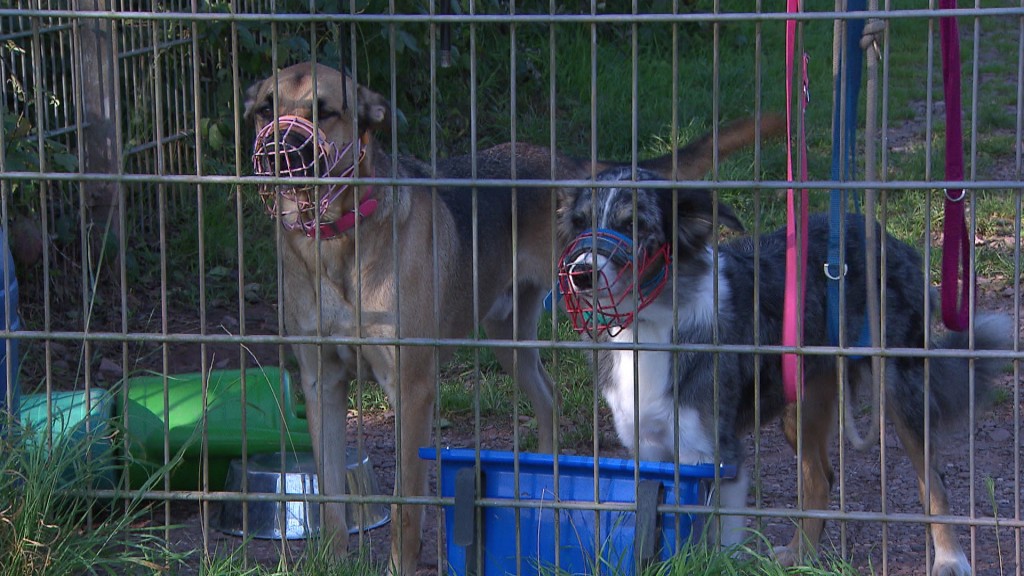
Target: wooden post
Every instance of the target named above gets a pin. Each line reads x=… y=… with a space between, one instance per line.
x=97 y=85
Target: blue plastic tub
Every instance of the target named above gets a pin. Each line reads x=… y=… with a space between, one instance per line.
x=8 y=310
x=579 y=550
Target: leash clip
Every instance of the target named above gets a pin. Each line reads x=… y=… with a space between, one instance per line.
x=963 y=193
x=806 y=84
x=828 y=271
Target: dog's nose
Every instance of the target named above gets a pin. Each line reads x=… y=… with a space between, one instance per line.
x=293 y=146
x=582 y=275
x=296 y=153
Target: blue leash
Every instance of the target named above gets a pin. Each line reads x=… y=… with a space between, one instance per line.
x=844 y=146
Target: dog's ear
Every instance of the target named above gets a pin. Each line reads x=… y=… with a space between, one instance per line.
x=728 y=218
x=250 y=99
x=695 y=209
x=373 y=109
x=565 y=203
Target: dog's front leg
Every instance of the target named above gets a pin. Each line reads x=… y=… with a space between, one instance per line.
x=412 y=397
x=733 y=528
x=326 y=393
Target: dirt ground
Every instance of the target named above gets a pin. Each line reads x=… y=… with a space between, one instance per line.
x=972 y=459
x=993 y=551
x=970 y=462
x=894 y=547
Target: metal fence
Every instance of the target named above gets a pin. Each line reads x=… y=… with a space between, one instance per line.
x=148 y=266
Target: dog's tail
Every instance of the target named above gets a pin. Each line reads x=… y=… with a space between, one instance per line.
x=949 y=392
x=695 y=159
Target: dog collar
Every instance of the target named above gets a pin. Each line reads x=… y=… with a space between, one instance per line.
x=346 y=221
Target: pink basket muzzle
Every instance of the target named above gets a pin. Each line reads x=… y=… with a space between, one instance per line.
x=292 y=148
x=596 y=275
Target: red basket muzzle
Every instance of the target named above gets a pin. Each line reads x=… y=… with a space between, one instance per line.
x=599 y=277
x=295 y=149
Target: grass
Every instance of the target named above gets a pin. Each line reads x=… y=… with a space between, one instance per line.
x=51 y=527
x=221 y=240
x=745 y=560
x=315 y=560
x=990 y=492
x=700 y=560
x=910 y=215
x=907 y=214
x=51 y=524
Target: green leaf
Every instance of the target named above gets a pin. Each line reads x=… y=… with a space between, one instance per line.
x=21 y=159
x=216 y=138
x=64 y=161
x=404 y=40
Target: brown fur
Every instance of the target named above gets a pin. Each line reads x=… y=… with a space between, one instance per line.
x=697 y=158
x=371 y=287
x=366 y=285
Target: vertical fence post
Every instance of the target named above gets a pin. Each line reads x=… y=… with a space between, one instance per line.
x=97 y=86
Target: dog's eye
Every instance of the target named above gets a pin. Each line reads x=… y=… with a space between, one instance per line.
x=324 y=112
x=627 y=226
x=264 y=111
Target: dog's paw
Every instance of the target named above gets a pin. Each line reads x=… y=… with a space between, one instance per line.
x=786 y=556
x=952 y=565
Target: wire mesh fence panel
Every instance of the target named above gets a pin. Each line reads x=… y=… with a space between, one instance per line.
x=304 y=283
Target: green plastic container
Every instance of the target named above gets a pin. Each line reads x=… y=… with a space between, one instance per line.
x=270 y=413
x=86 y=425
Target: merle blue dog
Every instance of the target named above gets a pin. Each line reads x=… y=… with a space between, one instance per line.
x=640 y=270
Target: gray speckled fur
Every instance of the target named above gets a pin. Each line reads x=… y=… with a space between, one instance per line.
x=904 y=311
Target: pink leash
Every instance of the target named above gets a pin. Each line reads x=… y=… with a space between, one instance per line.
x=792 y=333
x=956 y=255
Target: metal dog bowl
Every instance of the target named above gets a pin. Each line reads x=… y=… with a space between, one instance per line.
x=301 y=518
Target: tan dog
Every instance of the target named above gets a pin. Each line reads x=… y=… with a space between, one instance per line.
x=388 y=262
x=404 y=270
